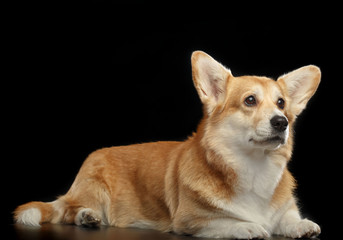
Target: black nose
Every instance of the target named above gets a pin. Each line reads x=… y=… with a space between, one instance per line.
x=279 y=123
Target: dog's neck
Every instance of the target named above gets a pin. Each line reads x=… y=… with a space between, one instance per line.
x=258 y=170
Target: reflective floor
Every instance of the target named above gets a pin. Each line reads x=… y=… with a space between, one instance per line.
x=71 y=232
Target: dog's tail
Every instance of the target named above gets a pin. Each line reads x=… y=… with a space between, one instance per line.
x=34 y=213
x=62 y=210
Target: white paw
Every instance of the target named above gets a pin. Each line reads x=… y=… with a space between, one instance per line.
x=305 y=228
x=248 y=231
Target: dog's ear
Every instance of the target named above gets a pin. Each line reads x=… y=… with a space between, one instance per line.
x=210 y=79
x=300 y=84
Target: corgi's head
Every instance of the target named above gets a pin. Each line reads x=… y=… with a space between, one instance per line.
x=251 y=112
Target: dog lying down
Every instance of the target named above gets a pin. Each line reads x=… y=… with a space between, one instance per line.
x=228 y=180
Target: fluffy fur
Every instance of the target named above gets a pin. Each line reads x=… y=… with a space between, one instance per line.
x=229 y=180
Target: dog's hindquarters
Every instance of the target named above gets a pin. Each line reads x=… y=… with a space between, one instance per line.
x=110 y=189
x=84 y=204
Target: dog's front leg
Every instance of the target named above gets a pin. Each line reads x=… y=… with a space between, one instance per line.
x=232 y=228
x=291 y=225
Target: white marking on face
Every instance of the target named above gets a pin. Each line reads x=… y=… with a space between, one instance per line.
x=264 y=135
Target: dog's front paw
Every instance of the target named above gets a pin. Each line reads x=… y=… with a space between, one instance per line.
x=249 y=231
x=302 y=229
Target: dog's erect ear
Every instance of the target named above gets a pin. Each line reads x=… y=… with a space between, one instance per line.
x=301 y=84
x=210 y=79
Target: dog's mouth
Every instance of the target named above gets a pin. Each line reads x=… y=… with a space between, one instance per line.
x=269 y=140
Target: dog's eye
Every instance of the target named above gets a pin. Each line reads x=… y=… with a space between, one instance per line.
x=250 y=101
x=281 y=103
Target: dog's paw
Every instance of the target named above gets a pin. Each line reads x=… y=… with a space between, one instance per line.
x=88 y=218
x=302 y=229
x=249 y=231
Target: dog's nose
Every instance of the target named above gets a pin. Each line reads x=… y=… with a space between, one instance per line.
x=279 y=123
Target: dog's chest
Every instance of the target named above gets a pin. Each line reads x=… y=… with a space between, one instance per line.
x=257 y=181
x=259 y=176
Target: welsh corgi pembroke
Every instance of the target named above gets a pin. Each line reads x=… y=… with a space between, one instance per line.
x=228 y=180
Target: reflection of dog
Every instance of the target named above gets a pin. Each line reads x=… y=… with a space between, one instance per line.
x=228 y=180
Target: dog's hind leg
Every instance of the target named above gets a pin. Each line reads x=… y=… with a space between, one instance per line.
x=87 y=217
x=85 y=204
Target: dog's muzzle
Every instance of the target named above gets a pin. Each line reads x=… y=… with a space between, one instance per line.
x=277 y=135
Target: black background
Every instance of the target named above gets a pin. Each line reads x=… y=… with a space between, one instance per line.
x=82 y=77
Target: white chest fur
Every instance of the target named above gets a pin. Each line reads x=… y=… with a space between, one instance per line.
x=259 y=173
x=258 y=176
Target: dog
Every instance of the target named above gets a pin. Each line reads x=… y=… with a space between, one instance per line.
x=227 y=180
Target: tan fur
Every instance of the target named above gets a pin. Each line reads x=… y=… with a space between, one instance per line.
x=45 y=208
x=176 y=186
